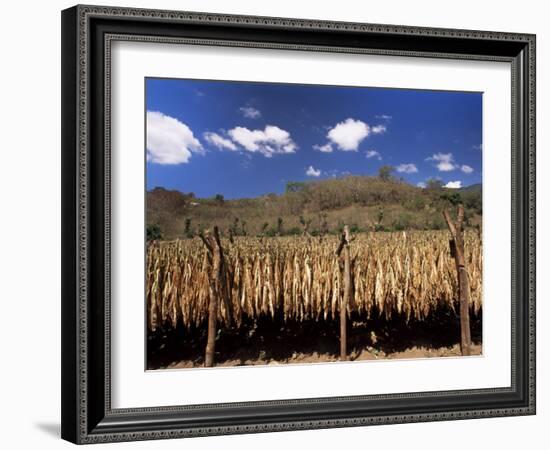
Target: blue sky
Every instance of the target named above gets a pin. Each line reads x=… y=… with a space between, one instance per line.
x=243 y=139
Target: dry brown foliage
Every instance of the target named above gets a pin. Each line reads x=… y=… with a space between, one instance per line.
x=407 y=273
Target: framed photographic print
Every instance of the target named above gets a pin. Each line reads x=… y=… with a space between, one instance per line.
x=282 y=224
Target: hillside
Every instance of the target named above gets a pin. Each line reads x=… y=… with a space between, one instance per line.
x=473 y=188
x=364 y=203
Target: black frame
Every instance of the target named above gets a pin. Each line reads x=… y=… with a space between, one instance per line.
x=87 y=31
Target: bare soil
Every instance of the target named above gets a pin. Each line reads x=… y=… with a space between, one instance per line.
x=269 y=342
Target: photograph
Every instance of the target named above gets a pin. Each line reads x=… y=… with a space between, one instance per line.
x=302 y=223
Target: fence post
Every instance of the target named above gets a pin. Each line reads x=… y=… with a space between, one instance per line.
x=344 y=245
x=457 y=251
x=216 y=288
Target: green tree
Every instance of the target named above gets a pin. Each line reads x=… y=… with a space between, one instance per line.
x=434 y=184
x=153 y=233
x=187 y=230
x=354 y=228
x=416 y=203
x=453 y=198
x=472 y=200
x=294 y=231
x=295 y=186
x=402 y=222
x=280 y=226
x=219 y=199
x=385 y=173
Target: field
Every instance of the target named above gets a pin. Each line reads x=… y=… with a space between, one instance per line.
x=284 y=289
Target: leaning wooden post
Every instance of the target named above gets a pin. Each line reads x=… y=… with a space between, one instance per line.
x=457 y=250
x=344 y=245
x=214 y=248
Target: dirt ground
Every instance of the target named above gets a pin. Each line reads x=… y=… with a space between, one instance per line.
x=269 y=342
x=315 y=357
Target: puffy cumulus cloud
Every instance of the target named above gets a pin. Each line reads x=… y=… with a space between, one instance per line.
x=444 y=161
x=421 y=184
x=347 y=135
x=454 y=185
x=406 y=168
x=373 y=154
x=169 y=141
x=378 y=129
x=269 y=141
x=219 y=141
x=327 y=148
x=250 y=112
x=312 y=172
x=466 y=169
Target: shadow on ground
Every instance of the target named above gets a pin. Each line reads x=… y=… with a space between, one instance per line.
x=52 y=429
x=276 y=341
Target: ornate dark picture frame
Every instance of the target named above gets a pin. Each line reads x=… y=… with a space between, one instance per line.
x=87 y=34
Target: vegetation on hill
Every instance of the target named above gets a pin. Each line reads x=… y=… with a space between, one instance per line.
x=315 y=207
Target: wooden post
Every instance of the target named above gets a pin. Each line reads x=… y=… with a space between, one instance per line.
x=344 y=245
x=223 y=289
x=216 y=289
x=457 y=251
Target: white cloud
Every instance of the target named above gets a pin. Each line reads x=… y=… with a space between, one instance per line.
x=327 y=148
x=169 y=141
x=348 y=135
x=378 y=129
x=373 y=154
x=421 y=184
x=269 y=141
x=445 y=166
x=250 y=112
x=454 y=185
x=312 y=172
x=477 y=147
x=335 y=173
x=445 y=161
x=218 y=141
x=406 y=168
x=466 y=169
x=383 y=117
